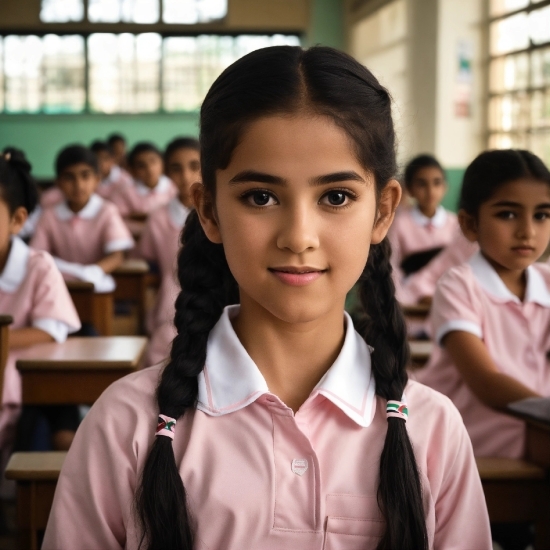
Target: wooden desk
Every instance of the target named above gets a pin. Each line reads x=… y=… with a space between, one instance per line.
x=93 y=307
x=131 y=284
x=36 y=476
x=420 y=352
x=5 y=322
x=416 y=310
x=77 y=371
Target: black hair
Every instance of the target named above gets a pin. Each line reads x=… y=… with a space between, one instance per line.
x=100 y=147
x=113 y=138
x=142 y=147
x=416 y=164
x=181 y=143
x=284 y=80
x=493 y=169
x=17 y=186
x=75 y=154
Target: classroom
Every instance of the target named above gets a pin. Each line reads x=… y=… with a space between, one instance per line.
x=275 y=274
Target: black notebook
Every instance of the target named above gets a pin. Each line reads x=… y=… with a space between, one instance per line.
x=415 y=262
x=535 y=407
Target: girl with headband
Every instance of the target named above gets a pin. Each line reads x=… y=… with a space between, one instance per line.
x=280 y=424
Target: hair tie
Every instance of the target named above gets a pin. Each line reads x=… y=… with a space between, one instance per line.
x=397 y=409
x=166 y=426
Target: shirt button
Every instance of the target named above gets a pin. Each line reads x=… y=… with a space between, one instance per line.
x=299 y=466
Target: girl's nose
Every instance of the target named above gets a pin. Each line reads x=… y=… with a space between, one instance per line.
x=298 y=231
x=526 y=228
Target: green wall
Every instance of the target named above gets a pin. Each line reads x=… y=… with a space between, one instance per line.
x=327 y=24
x=454 y=179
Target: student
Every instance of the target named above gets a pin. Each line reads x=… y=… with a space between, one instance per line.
x=491 y=315
x=33 y=292
x=159 y=243
x=84 y=233
x=151 y=187
x=112 y=175
x=117 y=143
x=421 y=232
x=289 y=433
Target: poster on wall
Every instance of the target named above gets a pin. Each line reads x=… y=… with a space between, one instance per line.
x=464 y=80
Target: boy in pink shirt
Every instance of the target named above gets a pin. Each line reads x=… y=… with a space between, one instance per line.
x=419 y=233
x=160 y=243
x=151 y=187
x=275 y=423
x=84 y=233
x=112 y=175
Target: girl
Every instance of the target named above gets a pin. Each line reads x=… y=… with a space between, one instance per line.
x=422 y=231
x=84 y=233
x=112 y=175
x=32 y=291
x=159 y=242
x=491 y=315
x=289 y=433
x=151 y=187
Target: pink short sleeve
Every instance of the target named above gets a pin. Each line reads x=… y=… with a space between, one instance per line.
x=146 y=247
x=455 y=306
x=117 y=237
x=118 y=198
x=41 y=238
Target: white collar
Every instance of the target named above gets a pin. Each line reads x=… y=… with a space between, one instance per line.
x=231 y=381
x=178 y=212
x=89 y=212
x=535 y=291
x=439 y=219
x=113 y=177
x=16 y=266
x=163 y=186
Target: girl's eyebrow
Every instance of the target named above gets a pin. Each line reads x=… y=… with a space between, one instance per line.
x=511 y=204
x=247 y=176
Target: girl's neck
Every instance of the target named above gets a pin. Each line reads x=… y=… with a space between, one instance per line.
x=292 y=357
x=4 y=255
x=515 y=280
x=428 y=212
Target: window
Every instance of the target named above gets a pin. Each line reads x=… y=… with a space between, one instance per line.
x=117 y=73
x=134 y=11
x=519 y=76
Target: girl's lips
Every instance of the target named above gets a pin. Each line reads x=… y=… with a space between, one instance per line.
x=523 y=250
x=296 y=278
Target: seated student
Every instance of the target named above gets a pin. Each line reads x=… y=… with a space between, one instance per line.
x=421 y=232
x=117 y=143
x=33 y=292
x=151 y=187
x=112 y=175
x=160 y=243
x=491 y=315
x=84 y=233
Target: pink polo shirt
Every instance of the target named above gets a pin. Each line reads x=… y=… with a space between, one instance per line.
x=140 y=199
x=412 y=232
x=51 y=197
x=84 y=237
x=472 y=298
x=160 y=243
x=33 y=292
x=259 y=476
x=117 y=179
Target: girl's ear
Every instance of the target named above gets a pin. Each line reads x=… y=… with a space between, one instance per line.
x=207 y=212
x=387 y=205
x=18 y=219
x=468 y=225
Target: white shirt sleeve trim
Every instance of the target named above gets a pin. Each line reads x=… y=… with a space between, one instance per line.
x=118 y=244
x=458 y=324
x=58 y=330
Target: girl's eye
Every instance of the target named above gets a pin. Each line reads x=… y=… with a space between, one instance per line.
x=259 y=198
x=540 y=216
x=506 y=215
x=335 y=198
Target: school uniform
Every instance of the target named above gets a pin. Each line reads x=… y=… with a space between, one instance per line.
x=117 y=178
x=33 y=292
x=412 y=233
x=51 y=197
x=256 y=474
x=138 y=198
x=473 y=298
x=160 y=243
x=79 y=240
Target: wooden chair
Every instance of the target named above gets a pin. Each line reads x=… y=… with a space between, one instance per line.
x=36 y=476
x=517 y=491
x=92 y=307
x=131 y=285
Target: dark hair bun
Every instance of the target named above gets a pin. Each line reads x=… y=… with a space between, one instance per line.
x=17 y=159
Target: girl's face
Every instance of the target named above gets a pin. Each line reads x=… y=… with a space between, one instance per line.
x=147 y=167
x=513 y=226
x=296 y=213
x=428 y=187
x=78 y=182
x=183 y=167
x=10 y=224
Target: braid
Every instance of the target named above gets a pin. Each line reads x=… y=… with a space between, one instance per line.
x=207 y=287
x=400 y=491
